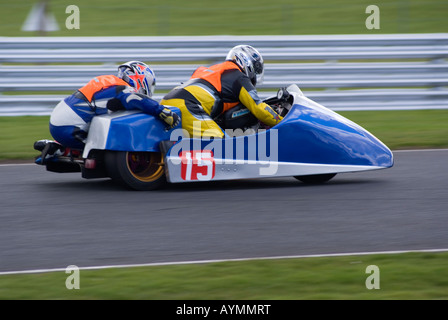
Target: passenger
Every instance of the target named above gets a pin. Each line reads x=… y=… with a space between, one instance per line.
x=131 y=89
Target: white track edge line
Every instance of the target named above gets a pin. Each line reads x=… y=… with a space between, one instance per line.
x=158 y=264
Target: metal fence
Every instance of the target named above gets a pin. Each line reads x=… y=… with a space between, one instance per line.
x=343 y=72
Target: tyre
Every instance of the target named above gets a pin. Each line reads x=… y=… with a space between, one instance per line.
x=136 y=170
x=315 y=178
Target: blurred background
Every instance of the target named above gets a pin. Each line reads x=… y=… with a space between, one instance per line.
x=249 y=17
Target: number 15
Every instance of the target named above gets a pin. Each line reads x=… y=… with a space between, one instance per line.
x=197 y=165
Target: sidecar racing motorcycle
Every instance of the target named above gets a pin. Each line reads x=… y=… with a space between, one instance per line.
x=312 y=144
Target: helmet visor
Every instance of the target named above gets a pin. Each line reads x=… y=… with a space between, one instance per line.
x=259 y=71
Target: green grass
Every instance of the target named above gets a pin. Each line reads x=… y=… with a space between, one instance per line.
x=414 y=129
x=397 y=129
x=17 y=136
x=200 y=17
x=401 y=276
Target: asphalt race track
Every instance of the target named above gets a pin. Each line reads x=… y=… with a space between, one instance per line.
x=51 y=220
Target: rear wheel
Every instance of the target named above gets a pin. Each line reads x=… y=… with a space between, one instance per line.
x=137 y=170
x=315 y=178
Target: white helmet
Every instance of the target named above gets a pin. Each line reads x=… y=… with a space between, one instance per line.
x=249 y=60
x=139 y=76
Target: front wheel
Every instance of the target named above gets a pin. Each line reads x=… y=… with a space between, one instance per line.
x=315 y=178
x=137 y=170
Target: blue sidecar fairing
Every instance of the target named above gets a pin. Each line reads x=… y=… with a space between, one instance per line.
x=126 y=131
x=310 y=140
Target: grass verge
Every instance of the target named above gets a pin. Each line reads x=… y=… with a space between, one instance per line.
x=177 y=17
x=399 y=276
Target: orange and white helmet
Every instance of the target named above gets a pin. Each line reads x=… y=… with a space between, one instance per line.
x=139 y=75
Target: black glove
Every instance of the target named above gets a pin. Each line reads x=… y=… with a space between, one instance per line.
x=169 y=117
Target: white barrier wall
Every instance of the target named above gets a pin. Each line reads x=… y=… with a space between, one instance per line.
x=343 y=72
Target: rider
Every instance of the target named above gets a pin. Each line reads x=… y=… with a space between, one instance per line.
x=131 y=89
x=212 y=91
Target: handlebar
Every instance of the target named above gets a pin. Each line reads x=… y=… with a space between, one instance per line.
x=282 y=96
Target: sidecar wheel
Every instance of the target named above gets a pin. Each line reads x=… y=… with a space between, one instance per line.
x=315 y=178
x=137 y=170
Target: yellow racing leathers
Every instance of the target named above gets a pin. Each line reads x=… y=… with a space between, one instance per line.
x=210 y=92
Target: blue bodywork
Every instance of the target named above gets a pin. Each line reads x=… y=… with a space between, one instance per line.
x=308 y=134
x=137 y=132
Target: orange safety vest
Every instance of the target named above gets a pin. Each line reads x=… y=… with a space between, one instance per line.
x=99 y=83
x=213 y=76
